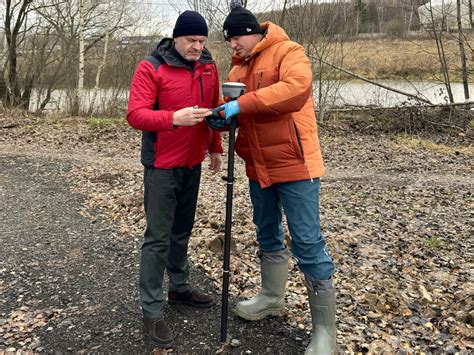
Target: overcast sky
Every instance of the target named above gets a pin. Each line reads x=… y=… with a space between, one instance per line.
x=169 y=10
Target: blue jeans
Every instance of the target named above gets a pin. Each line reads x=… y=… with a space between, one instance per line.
x=300 y=201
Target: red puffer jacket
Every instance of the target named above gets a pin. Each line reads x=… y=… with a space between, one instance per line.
x=162 y=84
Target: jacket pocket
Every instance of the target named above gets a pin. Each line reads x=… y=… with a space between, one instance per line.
x=265 y=78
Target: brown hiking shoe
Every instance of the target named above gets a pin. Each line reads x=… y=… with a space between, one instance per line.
x=158 y=332
x=194 y=298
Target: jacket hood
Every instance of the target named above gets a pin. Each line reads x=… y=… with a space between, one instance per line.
x=272 y=34
x=166 y=52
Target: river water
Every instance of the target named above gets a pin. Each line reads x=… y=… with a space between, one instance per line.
x=336 y=93
x=360 y=93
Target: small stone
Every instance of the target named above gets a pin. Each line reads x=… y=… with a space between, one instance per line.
x=374 y=315
x=470 y=318
x=425 y=295
x=407 y=312
x=235 y=343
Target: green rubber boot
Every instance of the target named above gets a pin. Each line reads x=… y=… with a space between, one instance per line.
x=322 y=303
x=271 y=299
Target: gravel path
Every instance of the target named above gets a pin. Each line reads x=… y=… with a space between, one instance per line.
x=69 y=283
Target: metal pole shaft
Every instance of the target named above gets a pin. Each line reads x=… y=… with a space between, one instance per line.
x=228 y=229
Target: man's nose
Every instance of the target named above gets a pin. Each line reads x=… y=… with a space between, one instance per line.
x=198 y=46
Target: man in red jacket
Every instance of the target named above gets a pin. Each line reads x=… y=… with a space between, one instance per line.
x=171 y=93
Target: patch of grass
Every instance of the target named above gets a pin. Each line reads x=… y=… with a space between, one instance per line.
x=415 y=143
x=53 y=121
x=434 y=243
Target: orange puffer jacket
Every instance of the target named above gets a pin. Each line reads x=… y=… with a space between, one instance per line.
x=277 y=136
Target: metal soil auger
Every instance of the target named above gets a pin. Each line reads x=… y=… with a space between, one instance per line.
x=233 y=91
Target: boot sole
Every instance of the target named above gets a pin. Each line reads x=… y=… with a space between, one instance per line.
x=163 y=345
x=191 y=304
x=272 y=312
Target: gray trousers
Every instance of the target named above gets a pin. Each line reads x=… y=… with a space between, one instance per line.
x=170 y=197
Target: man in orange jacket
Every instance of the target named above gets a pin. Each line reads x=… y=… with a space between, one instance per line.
x=278 y=140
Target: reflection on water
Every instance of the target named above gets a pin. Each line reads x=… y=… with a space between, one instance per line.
x=360 y=93
x=102 y=100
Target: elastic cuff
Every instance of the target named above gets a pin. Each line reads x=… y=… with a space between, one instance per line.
x=152 y=316
x=319 y=286
x=181 y=289
x=274 y=257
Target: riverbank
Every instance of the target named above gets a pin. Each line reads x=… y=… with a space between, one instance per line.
x=384 y=58
x=408 y=58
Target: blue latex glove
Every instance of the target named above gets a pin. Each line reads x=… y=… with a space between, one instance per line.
x=231 y=109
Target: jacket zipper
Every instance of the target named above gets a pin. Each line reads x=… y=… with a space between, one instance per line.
x=299 y=141
x=202 y=90
x=259 y=80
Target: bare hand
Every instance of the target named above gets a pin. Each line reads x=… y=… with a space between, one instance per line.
x=190 y=116
x=215 y=164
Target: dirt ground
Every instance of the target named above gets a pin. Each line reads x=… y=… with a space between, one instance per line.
x=396 y=211
x=69 y=283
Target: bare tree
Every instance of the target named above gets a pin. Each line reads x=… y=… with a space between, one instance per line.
x=38 y=66
x=359 y=8
x=322 y=29
x=462 y=52
x=433 y=19
x=80 y=81
x=16 y=13
x=84 y=26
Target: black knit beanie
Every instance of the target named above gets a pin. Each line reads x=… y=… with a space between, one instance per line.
x=240 y=22
x=190 y=23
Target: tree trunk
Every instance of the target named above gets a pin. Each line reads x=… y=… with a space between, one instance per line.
x=469 y=4
x=409 y=21
x=26 y=96
x=462 y=52
x=99 y=71
x=283 y=14
x=46 y=99
x=12 y=29
x=13 y=92
x=80 y=81
x=441 y=55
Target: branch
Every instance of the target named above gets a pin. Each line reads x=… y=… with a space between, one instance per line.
x=416 y=97
x=372 y=108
